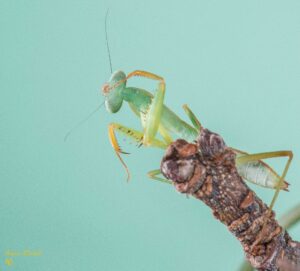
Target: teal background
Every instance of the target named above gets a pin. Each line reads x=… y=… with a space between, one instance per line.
x=236 y=63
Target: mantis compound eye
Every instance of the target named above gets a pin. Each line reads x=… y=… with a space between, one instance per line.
x=105 y=89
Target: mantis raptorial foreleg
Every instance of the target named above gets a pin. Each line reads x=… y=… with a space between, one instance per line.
x=154 y=115
x=153 y=175
x=259 y=156
x=145 y=74
x=155 y=109
x=131 y=133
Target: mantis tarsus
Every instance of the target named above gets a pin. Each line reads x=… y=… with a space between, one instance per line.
x=156 y=118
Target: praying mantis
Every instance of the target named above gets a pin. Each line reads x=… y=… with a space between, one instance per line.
x=157 y=119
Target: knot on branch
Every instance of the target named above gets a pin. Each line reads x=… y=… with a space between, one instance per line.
x=189 y=165
x=210 y=144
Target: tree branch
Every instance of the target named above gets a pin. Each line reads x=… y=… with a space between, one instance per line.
x=206 y=170
x=287 y=221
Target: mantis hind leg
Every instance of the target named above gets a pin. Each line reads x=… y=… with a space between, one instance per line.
x=130 y=133
x=256 y=157
x=196 y=123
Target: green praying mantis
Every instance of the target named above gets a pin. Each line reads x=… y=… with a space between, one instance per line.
x=160 y=124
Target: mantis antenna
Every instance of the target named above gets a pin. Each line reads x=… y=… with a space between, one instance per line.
x=82 y=121
x=98 y=107
x=106 y=38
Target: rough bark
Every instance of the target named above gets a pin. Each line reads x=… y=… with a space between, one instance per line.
x=206 y=170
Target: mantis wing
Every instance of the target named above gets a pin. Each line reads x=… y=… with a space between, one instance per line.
x=257 y=172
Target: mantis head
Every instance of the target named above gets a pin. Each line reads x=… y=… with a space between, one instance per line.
x=112 y=90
